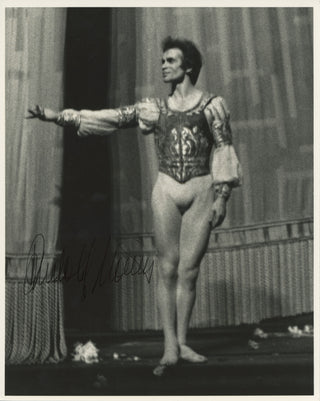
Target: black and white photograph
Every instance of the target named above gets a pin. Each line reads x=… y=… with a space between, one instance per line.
x=159 y=200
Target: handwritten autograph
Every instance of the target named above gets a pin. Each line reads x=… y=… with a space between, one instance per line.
x=39 y=272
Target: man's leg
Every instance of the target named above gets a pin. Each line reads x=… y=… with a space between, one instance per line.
x=195 y=233
x=167 y=222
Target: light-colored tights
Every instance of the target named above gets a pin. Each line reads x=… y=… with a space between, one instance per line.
x=182 y=215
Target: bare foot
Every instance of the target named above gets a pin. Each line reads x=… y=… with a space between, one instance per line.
x=189 y=355
x=169 y=359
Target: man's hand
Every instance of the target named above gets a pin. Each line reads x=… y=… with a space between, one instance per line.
x=43 y=114
x=219 y=209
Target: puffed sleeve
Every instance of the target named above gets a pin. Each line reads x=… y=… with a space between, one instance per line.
x=104 y=122
x=148 y=111
x=144 y=113
x=225 y=167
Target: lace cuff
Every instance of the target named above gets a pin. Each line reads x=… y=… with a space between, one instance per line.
x=223 y=190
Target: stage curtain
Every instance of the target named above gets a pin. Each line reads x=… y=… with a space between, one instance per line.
x=259 y=262
x=260 y=61
x=247 y=274
x=34 y=74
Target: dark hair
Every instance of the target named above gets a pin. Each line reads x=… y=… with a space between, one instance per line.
x=191 y=56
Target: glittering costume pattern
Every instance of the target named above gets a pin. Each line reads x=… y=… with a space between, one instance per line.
x=127 y=116
x=69 y=118
x=183 y=143
x=184 y=140
x=221 y=131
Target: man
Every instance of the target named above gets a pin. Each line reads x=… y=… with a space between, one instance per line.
x=197 y=169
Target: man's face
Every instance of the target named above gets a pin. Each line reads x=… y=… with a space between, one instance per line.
x=172 y=70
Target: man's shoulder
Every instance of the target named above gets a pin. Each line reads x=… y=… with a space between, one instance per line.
x=215 y=100
x=208 y=99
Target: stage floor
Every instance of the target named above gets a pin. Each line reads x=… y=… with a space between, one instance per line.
x=278 y=365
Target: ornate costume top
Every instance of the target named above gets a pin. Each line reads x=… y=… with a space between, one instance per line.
x=190 y=143
x=183 y=142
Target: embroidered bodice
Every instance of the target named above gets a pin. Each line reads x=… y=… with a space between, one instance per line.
x=183 y=143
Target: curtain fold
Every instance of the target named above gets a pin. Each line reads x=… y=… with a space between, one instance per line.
x=34 y=75
x=259 y=263
x=247 y=274
x=260 y=61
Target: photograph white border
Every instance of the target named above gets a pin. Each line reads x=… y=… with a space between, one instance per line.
x=165 y=3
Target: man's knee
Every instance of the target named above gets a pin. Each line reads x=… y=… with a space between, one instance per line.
x=169 y=268
x=188 y=276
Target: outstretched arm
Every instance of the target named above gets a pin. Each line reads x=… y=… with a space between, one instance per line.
x=102 y=122
x=88 y=122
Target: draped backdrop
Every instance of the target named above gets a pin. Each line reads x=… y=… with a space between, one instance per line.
x=259 y=262
x=34 y=74
x=260 y=61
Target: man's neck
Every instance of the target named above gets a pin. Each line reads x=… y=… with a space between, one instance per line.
x=184 y=89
